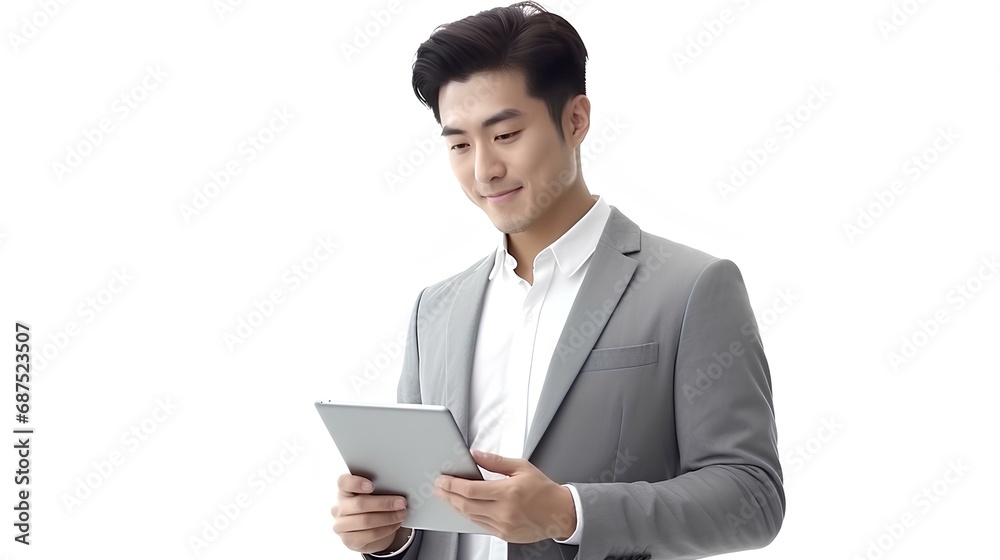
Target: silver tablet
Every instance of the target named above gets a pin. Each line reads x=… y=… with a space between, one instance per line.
x=402 y=448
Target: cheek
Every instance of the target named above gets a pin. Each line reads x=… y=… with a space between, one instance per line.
x=461 y=171
x=546 y=156
x=531 y=162
x=469 y=191
x=464 y=168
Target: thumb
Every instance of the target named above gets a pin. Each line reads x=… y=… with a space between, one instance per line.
x=495 y=463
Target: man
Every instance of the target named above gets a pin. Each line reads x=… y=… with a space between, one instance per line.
x=616 y=378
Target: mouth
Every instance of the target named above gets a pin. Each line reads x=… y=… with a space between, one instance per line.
x=500 y=197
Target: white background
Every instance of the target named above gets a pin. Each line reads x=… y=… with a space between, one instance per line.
x=859 y=438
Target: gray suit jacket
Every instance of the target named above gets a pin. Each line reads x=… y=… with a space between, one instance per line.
x=656 y=406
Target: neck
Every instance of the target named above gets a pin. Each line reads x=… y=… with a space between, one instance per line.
x=526 y=245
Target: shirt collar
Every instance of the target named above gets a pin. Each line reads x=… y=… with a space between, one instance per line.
x=572 y=249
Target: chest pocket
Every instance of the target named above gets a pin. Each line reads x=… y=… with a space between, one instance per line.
x=601 y=359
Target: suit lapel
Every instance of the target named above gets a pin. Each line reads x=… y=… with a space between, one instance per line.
x=460 y=341
x=608 y=275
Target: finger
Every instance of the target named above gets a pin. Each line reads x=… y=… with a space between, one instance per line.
x=365 y=503
x=474 y=489
x=349 y=484
x=361 y=541
x=486 y=523
x=467 y=506
x=364 y=521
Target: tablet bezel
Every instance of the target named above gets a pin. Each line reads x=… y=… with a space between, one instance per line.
x=429 y=438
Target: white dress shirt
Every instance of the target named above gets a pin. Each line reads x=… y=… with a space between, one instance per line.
x=516 y=339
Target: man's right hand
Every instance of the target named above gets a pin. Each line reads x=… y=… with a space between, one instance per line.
x=367 y=523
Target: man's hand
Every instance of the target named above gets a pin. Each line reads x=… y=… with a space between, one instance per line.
x=525 y=507
x=368 y=523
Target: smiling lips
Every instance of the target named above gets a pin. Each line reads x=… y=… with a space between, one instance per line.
x=502 y=196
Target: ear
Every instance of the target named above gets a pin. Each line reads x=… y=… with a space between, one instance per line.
x=576 y=120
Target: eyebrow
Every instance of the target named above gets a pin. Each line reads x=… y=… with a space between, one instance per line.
x=501 y=116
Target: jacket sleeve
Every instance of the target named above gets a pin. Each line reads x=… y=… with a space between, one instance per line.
x=408 y=552
x=728 y=495
x=408 y=391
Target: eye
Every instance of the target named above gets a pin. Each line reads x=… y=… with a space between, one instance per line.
x=506 y=136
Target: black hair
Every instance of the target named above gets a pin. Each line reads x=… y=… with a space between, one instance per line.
x=540 y=44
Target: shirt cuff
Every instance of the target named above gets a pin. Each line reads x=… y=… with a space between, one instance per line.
x=401 y=550
x=574 y=539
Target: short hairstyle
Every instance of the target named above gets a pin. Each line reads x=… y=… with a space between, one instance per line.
x=540 y=44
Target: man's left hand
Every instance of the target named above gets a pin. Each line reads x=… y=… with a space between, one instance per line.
x=525 y=507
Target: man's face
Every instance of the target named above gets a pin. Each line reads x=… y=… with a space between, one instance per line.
x=518 y=150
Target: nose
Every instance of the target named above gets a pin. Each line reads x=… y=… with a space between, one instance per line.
x=488 y=165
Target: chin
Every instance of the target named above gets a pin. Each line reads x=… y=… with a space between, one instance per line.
x=511 y=224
